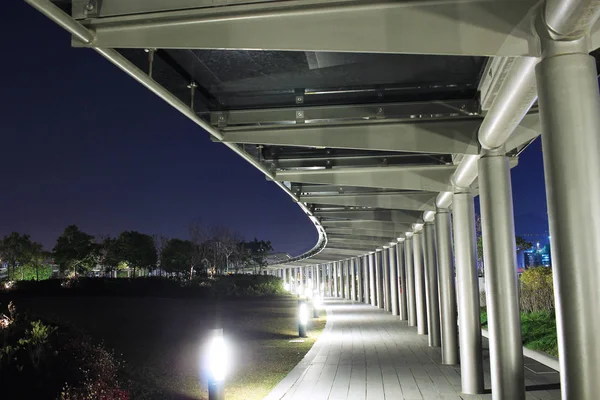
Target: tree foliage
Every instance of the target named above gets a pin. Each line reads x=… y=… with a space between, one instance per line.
x=177 y=256
x=136 y=249
x=75 y=251
x=258 y=250
x=537 y=291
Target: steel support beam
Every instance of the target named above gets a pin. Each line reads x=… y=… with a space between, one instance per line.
x=465 y=246
x=431 y=285
x=379 y=278
x=336 y=293
x=372 y=285
x=499 y=28
x=365 y=278
x=432 y=178
x=385 y=267
x=367 y=224
x=351 y=233
x=420 y=283
x=419 y=201
x=357 y=280
x=401 y=263
x=394 y=280
x=569 y=104
x=395 y=216
x=443 y=230
x=259 y=120
x=443 y=137
x=502 y=293
x=409 y=261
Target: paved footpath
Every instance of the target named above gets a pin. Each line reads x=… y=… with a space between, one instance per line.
x=366 y=353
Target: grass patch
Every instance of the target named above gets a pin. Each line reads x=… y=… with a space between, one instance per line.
x=538 y=331
x=160 y=339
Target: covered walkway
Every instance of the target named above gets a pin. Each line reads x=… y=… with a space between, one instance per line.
x=367 y=353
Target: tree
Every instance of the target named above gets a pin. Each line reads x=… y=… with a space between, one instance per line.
x=16 y=250
x=75 y=251
x=37 y=257
x=522 y=244
x=137 y=250
x=177 y=256
x=258 y=252
x=109 y=256
x=160 y=241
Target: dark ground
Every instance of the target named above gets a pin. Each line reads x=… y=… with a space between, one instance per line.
x=161 y=339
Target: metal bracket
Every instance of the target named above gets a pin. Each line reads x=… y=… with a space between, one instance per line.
x=221 y=120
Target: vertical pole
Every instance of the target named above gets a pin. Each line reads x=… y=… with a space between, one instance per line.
x=335 y=279
x=351 y=262
x=379 y=278
x=419 y=283
x=301 y=285
x=443 y=230
x=344 y=278
x=372 y=285
x=469 y=320
x=431 y=285
x=400 y=261
x=385 y=269
x=349 y=279
x=411 y=302
x=500 y=259
x=365 y=268
x=569 y=104
x=394 y=280
x=360 y=278
x=328 y=279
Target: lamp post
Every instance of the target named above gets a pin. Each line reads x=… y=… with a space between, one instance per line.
x=218 y=365
x=302 y=318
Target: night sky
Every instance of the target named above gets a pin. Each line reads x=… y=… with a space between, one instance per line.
x=83 y=143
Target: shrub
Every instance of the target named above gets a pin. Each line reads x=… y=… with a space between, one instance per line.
x=537 y=293
x=41 y=361
x=539 y=332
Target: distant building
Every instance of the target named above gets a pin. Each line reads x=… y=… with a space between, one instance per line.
x=538 y=256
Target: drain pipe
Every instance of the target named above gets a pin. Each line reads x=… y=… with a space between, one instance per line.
x=80 y=32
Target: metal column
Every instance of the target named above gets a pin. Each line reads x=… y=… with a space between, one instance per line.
x=419 y=283
x=379 y=277
x=344 y=275
x=359 y=275
x=335 y=279
x=569 y=104
x=443 y=230
x=301 y=284
x=500 y=260
x=352 y=265
x=411 y=302
x=469 y=320
x=385 y=268
x=394 y=280
x=372 y=286
x=431 y=285
x=328 y=279
x=401 y=262
x=366 y=284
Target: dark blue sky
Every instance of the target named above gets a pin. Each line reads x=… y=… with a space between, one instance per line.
x=83 y=143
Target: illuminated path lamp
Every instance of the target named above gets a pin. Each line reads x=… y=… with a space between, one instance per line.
x=316 y=303
x=302 y=318
x=218 y=359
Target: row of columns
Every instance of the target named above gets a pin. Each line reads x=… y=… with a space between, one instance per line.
x=415 y=278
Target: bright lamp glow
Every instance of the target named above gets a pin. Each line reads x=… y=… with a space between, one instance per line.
x=286 y=287
x=218 y=358
x=303 y=314
x=317 y=300
x=307 y=291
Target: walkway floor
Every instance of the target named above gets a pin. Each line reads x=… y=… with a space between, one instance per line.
x=366 y=353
